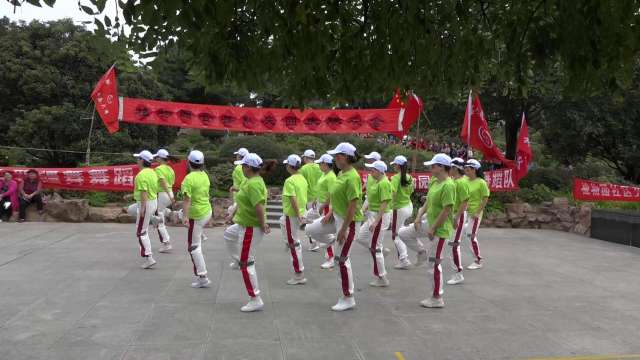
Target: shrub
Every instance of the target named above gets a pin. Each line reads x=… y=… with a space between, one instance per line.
x=536 y=195
x=220 y=176
x=394 y=150
x=98 y=199
x=551 y=178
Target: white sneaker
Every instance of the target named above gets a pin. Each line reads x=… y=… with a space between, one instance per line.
x=474 y=265
x=433 y=302
x=381 y=281
x=255 y=304
x=344 y=303
x=165 y=247
x=201 y=282
x=204 y=237
x=234 y=266
x=329 y=264
x=404 y=264
x=148 y=262
x=314 y=246
x=297 y=280
x=421 y=260
x=457 y=278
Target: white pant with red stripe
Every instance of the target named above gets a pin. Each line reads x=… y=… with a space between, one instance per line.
x=374 y=240
x=473 y=225
x=142 y=226
x=241 y=243
x=194 y=244
x=326 y=234
x=398 y=218
x=459 y=232
x=418 y=240
x=290 y=226
x=315 y=215
x=164 y=201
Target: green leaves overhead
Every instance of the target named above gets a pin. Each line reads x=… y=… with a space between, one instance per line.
x=363 y=49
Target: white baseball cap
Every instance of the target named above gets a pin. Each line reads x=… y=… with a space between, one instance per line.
x=440 y=159
x=162 y=154
x=399 y=160
x=343 y=148
x=473 y=163
x=378 y=165
x=293 y=160
x=251 y=159
x=457 y=162
x=326 y=158
x=242 y=152
x=145 y=155
x=309 y=153
x=196 y=157
x=373 y=156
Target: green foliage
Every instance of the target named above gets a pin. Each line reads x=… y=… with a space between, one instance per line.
x=392 y=151
x=221 y=175
x=635 y=206
x=537 y=194
x=551 y=178
x=98 y=199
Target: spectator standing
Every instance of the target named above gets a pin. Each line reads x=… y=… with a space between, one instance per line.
x=30 y=191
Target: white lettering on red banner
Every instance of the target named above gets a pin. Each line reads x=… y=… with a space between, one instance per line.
x=498 y=180
x=587 y=190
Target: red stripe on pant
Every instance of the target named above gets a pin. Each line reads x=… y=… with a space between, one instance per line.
x=244 y=258
x=344 y=274
x=159 y=233
x=436 y=268
x=374 y=243
x=456 y=248
x=292 y=248
x=138 y=230
x=394 y=231
x=189 y=241
x=330 y=255
x=474 y=242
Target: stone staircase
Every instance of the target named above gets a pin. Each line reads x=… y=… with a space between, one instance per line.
x=274 y=211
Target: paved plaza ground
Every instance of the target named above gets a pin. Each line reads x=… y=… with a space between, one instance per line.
x=75 y=291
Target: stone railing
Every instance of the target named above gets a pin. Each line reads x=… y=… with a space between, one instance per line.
x=555 y=215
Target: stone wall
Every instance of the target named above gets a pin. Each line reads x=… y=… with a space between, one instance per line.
x=555 y=215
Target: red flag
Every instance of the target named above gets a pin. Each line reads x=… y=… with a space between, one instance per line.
x=475 y=132
x=396 y=101
x=409 y=114
x=105 y=97
x=523 y=151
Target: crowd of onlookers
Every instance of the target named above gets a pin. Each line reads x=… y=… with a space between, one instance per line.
x=18 y=194
x=450 y=148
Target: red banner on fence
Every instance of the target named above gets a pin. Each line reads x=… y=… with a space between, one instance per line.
x=498 y=180
x=587 y=190
x=94 y=178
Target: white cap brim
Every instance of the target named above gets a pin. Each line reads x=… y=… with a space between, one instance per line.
x=239 y=162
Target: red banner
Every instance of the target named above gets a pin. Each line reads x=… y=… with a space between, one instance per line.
x=94 y=178
x=587 y=190
x=498 y=180
x=394 y=120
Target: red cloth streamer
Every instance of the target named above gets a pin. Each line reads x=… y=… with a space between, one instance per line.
x=587 y=190
x=498 y=180
x=523 y=151
x=392 y=120
x=93 y=178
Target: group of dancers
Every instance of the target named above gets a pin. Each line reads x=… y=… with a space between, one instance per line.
x=325 y=197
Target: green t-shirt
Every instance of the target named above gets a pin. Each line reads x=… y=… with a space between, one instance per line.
x=312 y=173
x=462 y=192
x=196 y=187
x=348 y=186
x=165 y=172
x=325 y=184
x=252 y=192
x=378 y=192
x=478 y=190
x=403 y=193
x=237 y=176
x=440 y=195
x=295 y=185
x=146 y=180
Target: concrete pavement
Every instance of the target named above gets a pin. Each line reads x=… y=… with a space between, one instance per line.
x=75 y=291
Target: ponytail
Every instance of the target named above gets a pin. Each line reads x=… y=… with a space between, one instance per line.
x=404 y=179
x=266 y=168
x=335 y=168
x=480 y=173
x=352 y=159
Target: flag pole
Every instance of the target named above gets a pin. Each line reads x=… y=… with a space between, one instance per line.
x=469 y=109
